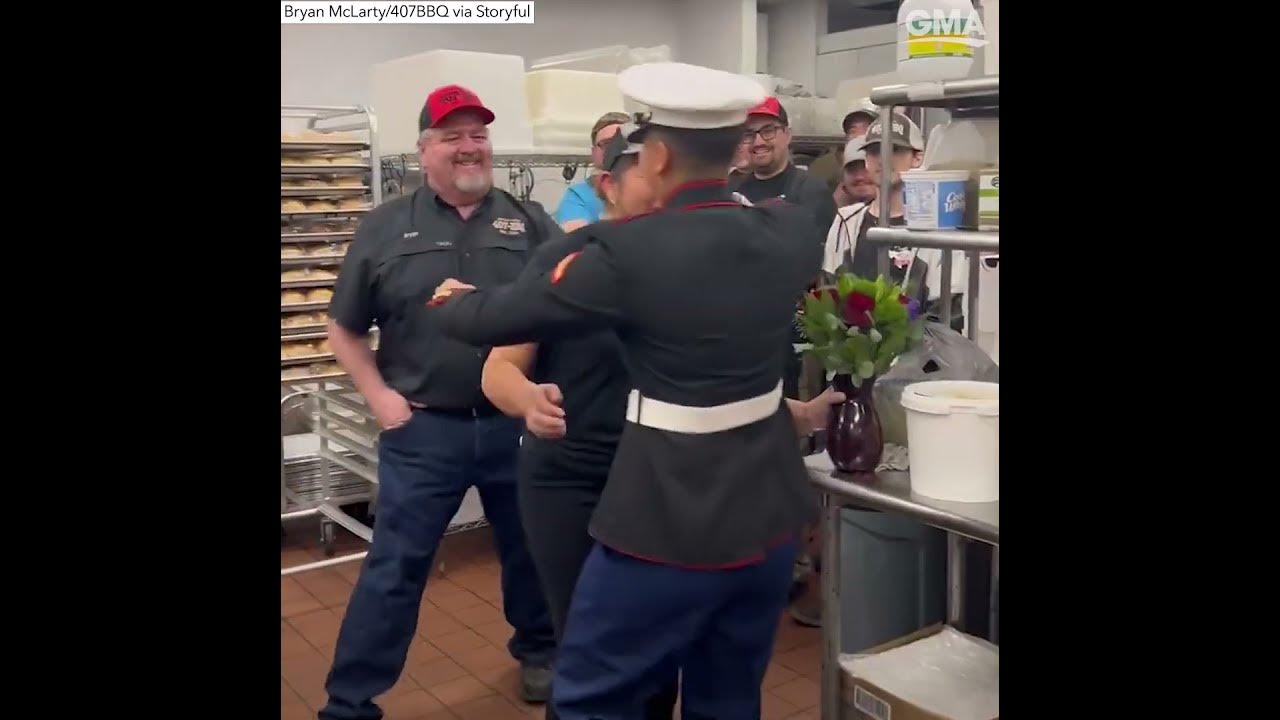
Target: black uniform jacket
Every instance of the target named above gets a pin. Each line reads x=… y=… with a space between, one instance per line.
x=701 y=294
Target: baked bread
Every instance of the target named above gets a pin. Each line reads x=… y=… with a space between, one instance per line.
x=313 y=160
x=353 y=204
x=348 y=181
x=290 y=137
x=323 y=348
x=297 y=320
x=321 y=205
x=321 y=274
x=320 y=295
x=346 y=159
x=292 y=206
x=293 y=350
x=292 y=297
x=295 y=274
x=321 y=318
x=291 y=251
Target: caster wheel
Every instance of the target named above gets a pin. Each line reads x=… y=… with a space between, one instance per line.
x=326 y=538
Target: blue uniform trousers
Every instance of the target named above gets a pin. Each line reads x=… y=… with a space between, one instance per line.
x=633 y=622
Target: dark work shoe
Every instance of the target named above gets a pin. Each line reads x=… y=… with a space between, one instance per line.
x=535 y=683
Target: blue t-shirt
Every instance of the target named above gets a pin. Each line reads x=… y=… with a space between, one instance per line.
x=579 y=203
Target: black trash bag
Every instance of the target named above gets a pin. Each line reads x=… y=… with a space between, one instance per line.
x=943 y=354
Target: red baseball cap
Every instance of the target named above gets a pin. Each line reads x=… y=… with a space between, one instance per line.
x=770 y=107
x=447 y=99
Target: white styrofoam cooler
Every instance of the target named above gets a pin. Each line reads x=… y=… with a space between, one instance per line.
x=564 y=104
x=401 y=86
x=953 y=439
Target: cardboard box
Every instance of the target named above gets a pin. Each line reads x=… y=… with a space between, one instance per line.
x=864 y=700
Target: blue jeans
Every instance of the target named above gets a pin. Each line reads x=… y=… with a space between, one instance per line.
x=633 y=623
x=424 y=468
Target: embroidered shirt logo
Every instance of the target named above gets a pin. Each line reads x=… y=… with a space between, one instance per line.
x=509 y=226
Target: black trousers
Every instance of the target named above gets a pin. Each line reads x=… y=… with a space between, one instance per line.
x=556 y=511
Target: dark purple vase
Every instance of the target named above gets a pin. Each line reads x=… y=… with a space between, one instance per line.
x=854 y=440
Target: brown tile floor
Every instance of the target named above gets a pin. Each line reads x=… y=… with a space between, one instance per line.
x=458 y=666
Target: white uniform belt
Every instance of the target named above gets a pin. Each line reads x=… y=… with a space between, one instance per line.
x=701 y=420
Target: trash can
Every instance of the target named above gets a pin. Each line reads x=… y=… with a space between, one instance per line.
x=893 y=578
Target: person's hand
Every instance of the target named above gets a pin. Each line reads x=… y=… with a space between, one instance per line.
x=448 y=289
x=390 y=409
x=545 y=417
x=814 y=415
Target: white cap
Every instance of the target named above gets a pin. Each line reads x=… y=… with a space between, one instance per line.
x=689 y=96
x=853 y=151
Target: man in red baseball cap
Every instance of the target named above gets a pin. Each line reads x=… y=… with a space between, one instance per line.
x=440 y=435
x=767 y=139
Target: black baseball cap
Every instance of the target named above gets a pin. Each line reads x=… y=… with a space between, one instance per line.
x=619 y=146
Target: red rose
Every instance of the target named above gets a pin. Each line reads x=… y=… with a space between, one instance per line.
x=857 y=308
x=904 y=299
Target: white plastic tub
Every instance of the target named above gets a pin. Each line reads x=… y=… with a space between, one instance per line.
x=935 y=199
x=953 y=439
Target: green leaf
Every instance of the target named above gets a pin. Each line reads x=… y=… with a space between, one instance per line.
x=804 y=347
x=860 y=349
x=866 y=369
x=845 y=285
x=875 y=335
x=833 y=322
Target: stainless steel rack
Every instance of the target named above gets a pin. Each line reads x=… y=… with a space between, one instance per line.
x=891 y=492
x=320 y=485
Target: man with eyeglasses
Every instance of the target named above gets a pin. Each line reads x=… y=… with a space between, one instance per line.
x=581 y=204
x=767 y=138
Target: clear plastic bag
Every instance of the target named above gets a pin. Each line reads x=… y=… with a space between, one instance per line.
x=943 y=354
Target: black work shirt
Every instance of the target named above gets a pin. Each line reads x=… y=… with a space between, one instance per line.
x=589 y=371
x=403 y=249
x=797 y=187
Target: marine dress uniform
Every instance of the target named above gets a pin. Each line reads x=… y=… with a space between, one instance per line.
x=697 y=525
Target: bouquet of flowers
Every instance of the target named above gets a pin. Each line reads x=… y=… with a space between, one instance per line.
x=857 y=327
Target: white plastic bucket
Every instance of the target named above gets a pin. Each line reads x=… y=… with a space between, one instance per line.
x=953 y=439
x=935 y=199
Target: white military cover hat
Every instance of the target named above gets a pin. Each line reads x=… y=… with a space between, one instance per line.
x=679 y=95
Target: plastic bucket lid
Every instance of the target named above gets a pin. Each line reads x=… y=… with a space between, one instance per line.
x=944 y=397
x=935 y=175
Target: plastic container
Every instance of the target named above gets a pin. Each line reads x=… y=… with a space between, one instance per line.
x=935 y=199
x=893 y=578
x=989 y=199
x=609 y=59
x=953 y=439
x=933 y=40
x=400 y=86
x=565 y=104
x=970 y=140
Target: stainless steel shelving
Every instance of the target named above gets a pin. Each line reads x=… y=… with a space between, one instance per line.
x=891 y=492
x=320 y=485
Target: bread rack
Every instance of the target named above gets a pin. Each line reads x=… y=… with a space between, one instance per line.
x=341 y=471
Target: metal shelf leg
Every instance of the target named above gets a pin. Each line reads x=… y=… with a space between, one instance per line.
x=955 y=580
x=830 y=582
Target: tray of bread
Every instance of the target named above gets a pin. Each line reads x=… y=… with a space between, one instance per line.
x=294 y=323
x=314 y=371
x=318 y=247
x=323 y=190
x=352 y=205
x=307 y=277
x=311 y=138
x=311 y=260
x=304 y=299
x=303 y=352
x=312 y=237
